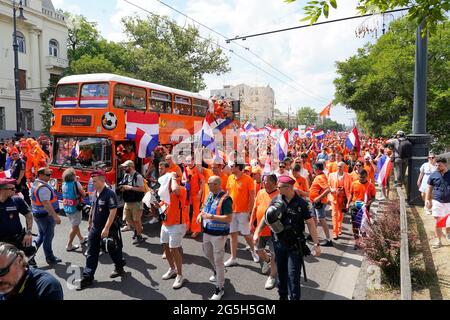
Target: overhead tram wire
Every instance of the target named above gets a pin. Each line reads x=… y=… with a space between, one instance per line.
x=312 y=25
x=222 y=47
x=315 y=97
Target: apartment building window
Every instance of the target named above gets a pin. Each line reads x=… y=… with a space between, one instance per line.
x=22 y=79
x=53 y=47
x=27 y=119
x=21 y=41
x=2 y=119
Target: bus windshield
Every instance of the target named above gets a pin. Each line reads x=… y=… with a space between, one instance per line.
x=82 y=152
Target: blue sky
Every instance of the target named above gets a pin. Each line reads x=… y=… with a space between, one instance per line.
x=306 y=57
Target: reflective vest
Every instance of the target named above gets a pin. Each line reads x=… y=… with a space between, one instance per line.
x=70 y=197
x=36 y=205
x=213 y=206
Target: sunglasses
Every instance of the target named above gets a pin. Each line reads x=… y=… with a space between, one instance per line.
x=4 y=271
x=357 y=165
x=431 y=157
x=10 y=189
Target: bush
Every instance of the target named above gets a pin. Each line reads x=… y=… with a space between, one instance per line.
x=382 y=243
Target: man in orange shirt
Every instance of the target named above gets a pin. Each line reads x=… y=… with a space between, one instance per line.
x=370 y=168
x=173 y=167
x=173 y=227
x=318 y=195
x=332 y=164
x=340 y=158
x=301 y=185
x=195 y=180
x=256 y=176
x=217 y=170
x=361 y=192
x=262 y=202
x=340 y=183
x=241 y=189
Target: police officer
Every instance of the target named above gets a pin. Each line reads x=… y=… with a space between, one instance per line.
x=103 y=227
x=11 y=230
x=286 y=216
x=216 y=215
x=18 y=173
x=19 y=282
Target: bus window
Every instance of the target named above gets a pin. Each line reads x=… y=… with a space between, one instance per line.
x=161 y=102
x=94 y=95
x=182 y=106
x=82 y=152
x=129 y=97
x=66 y=96
x=200 y=107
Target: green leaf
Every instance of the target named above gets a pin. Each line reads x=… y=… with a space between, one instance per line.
x=333 y=3
x=326 y=9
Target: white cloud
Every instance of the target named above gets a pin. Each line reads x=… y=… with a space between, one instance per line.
x=62 y=4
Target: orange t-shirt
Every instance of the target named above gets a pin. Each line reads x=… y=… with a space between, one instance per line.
x=307 y=166
x=354 y=175
x=318 y=186
x=358 y=190
x=207 y=173
x=257 y=187
x=195 y=180
x=239 y=191
x=370 y=173
x=175 y=168
x=332 y=167
x=177 y=212
x=301 y=184
x=262 y=201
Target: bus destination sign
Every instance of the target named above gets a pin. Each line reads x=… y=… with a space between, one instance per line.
x=76 y=120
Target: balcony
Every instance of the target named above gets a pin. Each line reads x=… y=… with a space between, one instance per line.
x=55 y=62
x=57 y=15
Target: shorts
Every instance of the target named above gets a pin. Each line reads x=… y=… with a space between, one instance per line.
x=440 y=209
x=133 y=211
x=240 y=223
x=75 y=218
x=319 y=213
x=265 y=241
x=173 y=235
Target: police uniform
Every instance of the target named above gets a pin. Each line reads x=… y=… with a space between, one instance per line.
x=286 y=245
x=102 y=204
x=17 y=166
x=10 y=225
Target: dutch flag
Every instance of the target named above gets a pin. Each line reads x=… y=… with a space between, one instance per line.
x=352 y=140
x=282 y=145
x=144 y=129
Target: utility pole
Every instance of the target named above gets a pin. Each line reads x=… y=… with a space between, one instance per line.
x=419 y=137
x=19 y=132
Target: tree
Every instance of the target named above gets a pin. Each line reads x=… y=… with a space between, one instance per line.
x=331 y=125
x=280 y=123
x=307 y=116
x=378 y=82
x=167 y=54
x=431 y=12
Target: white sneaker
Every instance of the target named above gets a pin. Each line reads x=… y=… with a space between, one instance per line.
x=255 y=256
x=230 y=262
x=270 y=283
x=437 y=244
x=213 y=278
x=178 y=283
x=218 y=294
x=169 y=274
x=153 y=220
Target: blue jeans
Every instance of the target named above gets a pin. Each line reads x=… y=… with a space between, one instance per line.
x=93 y=252
x=46 y=227
x=289 y=268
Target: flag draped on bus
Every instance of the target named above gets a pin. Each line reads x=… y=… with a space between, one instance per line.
x=144 y=129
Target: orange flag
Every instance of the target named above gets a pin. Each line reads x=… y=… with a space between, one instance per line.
x=326 y=112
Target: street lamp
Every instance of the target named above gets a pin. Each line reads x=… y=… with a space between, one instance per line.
x=16 y=67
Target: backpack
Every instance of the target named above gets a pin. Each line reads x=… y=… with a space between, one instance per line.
x=404 y=149
x=134 y=196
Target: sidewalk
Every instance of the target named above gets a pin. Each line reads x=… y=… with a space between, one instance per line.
x=439 y=262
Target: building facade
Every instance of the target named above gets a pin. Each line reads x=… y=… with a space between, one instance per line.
x=257 y=103
x=42 y=40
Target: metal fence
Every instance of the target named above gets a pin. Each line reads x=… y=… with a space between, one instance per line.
x=405 y=272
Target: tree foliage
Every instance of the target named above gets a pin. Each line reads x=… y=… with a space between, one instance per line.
x=328 y=124
x=156 y=50
x=431 y=12
x=378 y=82
x=307 y=116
